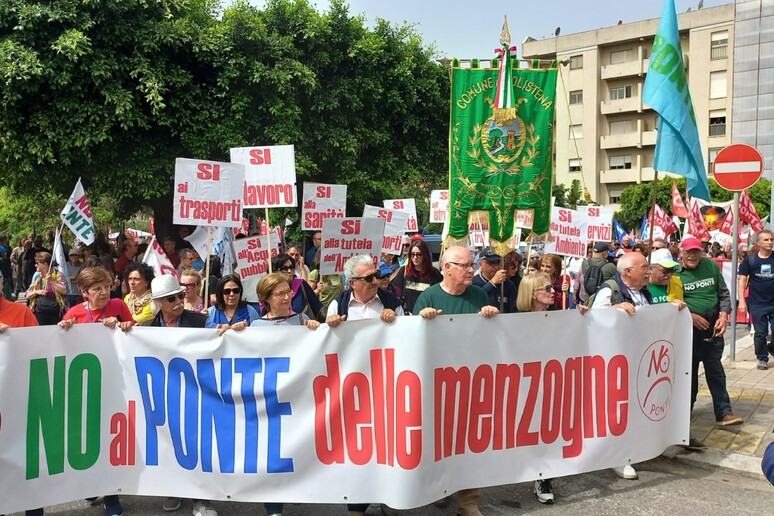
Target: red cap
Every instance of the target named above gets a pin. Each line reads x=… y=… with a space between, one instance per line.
x=417 y=236
x=691 y=243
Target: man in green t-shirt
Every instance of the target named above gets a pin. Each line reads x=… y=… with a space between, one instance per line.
x=709 y=301
x=456 y=294
x=665 y=286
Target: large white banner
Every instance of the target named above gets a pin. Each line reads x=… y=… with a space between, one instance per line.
x=439 y=206
x=253 y=256
x=270 y=175
x=321 y=202
x=568 y=233
x=208 y=193
x=394 y=224
x=408 y=206
x=344 y=238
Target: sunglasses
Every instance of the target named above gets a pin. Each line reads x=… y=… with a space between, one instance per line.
x=189 y=285
x=178 y=297
x=229 y=291
x=415 y=254
x=548 y=288
x=286 y=268
x=370 y=277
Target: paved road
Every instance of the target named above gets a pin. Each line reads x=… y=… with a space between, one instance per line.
x=665 y=487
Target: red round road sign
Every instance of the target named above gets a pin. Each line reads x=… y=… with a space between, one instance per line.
x=738 y=167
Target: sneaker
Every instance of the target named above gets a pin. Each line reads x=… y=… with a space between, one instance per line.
x=730 y=419
x=544 y=491
x=695 y=445
x=763 y=365
x=171 y=504
x=202 y=508
x=626 y=472
x=114 y=510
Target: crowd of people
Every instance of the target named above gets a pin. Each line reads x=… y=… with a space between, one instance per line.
x=114 y=288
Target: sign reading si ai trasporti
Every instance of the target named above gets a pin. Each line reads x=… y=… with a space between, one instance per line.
x=394 y=222
x=321 y=202
x=208 y=193
x=347 y=237
x=407 y=205
x=270 y=175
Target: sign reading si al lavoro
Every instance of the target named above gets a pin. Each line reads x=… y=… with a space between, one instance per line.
x=270 y=175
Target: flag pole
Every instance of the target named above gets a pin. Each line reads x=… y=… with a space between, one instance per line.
x=652 y=210
x=268 y=237
x=206 y=296
x=734 y=266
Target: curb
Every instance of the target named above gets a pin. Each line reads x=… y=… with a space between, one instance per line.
x=712 y=459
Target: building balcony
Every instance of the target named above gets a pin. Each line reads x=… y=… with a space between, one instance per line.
x=649 y=138
x=624 y=175
x=612 y=107
x=619 y=141
x=627 y=69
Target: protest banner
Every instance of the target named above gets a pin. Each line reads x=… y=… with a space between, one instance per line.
x=208 y=193
x=568 y=233
x=394 y=224
x=252 y=256
x=400 y=412
x=77 y=215
x=321 y=202
x=439 y=206
x=599 y=223
x=344 y=238
x=408 y=206
x=748 y=213
x=270 y=175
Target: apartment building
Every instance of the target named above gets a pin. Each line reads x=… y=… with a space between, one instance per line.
x=605 y=135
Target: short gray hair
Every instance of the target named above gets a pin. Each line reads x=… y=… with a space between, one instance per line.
x=624 y=262
x=353 y=262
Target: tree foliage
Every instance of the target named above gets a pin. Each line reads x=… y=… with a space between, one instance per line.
x=114 y=91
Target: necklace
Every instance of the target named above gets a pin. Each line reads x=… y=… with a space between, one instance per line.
x=637 y=297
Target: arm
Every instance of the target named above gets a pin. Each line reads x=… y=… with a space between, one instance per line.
x=333 y=318
x=741 y=285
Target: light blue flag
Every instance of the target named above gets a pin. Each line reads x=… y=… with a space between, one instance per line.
x=620 y=232
x=678 y=149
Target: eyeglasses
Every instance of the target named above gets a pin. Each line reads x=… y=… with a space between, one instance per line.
x=189 y=285
x=178 y=297
x=468 y=265
x=368 y=278
x=415 y=254
x=229 y=291
x=286 y=268
x=97 y=289
x=284 y=293
x=406 y=245
x=665 y=271
x=547 y=288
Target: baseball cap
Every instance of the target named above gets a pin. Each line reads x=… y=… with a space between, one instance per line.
x=417 y=236
x=601 y=247
x=75 y=251
x=663 y=258
x=490 y=256
x=690 y=243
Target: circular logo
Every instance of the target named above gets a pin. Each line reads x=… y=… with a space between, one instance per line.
x=503 y=143
x=655 y=380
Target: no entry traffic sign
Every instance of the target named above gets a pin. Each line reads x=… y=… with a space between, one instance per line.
x=738 y=167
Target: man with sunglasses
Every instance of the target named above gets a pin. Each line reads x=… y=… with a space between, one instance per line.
x=665 y=286
x=457 y=294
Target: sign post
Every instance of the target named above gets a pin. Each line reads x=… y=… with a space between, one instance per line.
x=736 y=168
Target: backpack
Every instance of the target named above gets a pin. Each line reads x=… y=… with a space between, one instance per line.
x=592 y=278
x=614 y=295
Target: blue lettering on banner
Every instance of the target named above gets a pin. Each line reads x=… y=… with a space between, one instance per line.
x=192 y=437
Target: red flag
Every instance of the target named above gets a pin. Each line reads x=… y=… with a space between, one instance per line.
x=748 y=213
x=727 y=226
x=678 y=207
x=664 y=221
x=696 y=225
x=157 y=258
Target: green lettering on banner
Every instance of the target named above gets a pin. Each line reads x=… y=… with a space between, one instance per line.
x=45 y=416
x=84 y=368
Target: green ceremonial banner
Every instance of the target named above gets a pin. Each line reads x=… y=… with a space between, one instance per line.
x=500 y=168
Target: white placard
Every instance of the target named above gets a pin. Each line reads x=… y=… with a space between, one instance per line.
x=252 y=256
x=439 y=206
x=599 y=220
x=568 y=233
x=208 y=193
x=344 y=238
x=270 y=175
x=524 y=218
x=410 y=207
x=321 y=202
x=394 y=223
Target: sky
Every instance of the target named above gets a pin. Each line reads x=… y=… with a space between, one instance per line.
x=467 y=29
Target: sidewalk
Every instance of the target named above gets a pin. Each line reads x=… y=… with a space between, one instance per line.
x=738 y=447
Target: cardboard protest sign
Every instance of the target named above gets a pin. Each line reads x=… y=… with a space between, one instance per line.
x=344 y=238
x=439 y=206
x=253 y=257
x=208 y=193
x=525 y=218
x=394 y=222
x=410 y=207
x=599 y=220
x=270 y=175
x=320 y=202
x=568 y=233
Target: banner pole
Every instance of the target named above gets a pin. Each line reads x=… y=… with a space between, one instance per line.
x=734 y=288
x=268 y=238
x=206 y=293
x=652 y=211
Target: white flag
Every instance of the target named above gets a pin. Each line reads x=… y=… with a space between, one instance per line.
x=77 y=215
x=61 y=260
x=157 y=258
x=222 y=246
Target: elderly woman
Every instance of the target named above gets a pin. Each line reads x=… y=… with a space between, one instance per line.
x=304 y=297
x=230 y=310
x=275 y=293
x=46 y=292
x=551 y=264
x=191 y=281
x=417 y=275
x=139 y=277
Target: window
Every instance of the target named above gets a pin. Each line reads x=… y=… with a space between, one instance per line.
x=718 y=84
x=623 y=92
x=615 y=199
x=717 y=122
x=620 y=162
x=713 y=153
x=719 y=45
x=620 y=127
x=576 y=132
x=620 y=56
x=576 y=62
x=575 y=165
x=576 y=97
